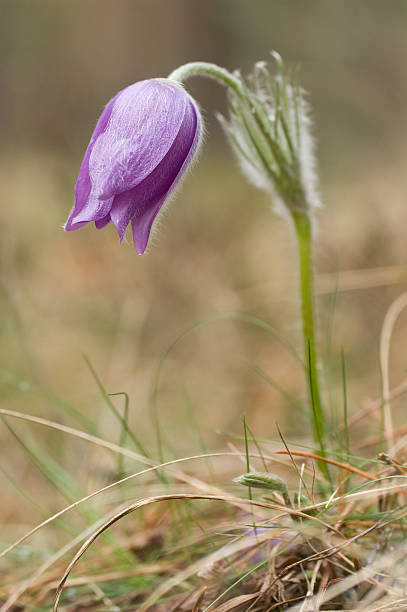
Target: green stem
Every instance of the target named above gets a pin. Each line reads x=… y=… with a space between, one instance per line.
x=303 y=230
x=223 y=76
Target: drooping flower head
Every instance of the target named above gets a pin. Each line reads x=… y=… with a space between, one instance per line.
x=143 y=143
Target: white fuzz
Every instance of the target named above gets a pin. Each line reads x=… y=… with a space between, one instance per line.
x=269 y=130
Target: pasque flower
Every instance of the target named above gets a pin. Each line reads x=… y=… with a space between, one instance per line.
x=143 y=143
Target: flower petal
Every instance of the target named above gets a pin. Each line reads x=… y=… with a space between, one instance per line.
x=83 y=183
x=142 y=203
x=144 y=124
x=123 y=209
x=99 y=223
x=141 y=226
x=93 y=210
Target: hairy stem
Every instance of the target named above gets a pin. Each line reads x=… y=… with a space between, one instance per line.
x=223 y=76
x=303 y=230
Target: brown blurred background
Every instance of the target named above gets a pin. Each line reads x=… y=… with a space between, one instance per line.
x=220 y=249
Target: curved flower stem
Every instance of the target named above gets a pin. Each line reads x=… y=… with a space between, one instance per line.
x=303 y=230
x=223 y=76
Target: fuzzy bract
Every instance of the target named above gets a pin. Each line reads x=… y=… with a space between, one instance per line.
x=269 y=130
x=143 y=143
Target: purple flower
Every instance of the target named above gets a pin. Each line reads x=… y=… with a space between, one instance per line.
x=143 y=143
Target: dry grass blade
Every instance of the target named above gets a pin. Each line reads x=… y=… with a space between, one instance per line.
x=339 y=464
x=128 y=510
x=236 y=602
x=290 y=454
x=390 y=319
x=74 y=432
x=364 y=278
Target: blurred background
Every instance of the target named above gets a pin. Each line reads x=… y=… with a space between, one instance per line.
x=220 y=249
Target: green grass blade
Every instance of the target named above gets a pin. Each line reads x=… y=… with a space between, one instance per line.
x=106 y=396
x=345 y=403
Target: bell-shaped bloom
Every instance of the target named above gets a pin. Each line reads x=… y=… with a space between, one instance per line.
x=143 y=143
